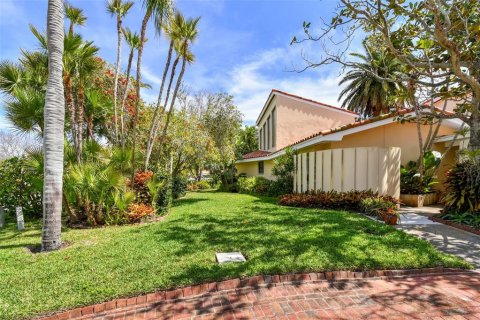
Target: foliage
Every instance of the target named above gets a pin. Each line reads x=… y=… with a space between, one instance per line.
x=137 y=211
x=379 y=207
x=179 y=187
x=141 y=188
x=283 y=170
x=471 y=219
x=247 y=141
x=351 y=200
x=254 y=185
x=164 y=198
x=412 y=182
x=107 y=263
x=21 y=187
x=463 y=188
x=199 y=185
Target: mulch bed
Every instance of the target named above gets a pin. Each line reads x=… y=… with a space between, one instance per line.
x=438 y=218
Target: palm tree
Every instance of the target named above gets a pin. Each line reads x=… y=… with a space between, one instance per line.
x=160 y=9
x=75 y=15
x=133 y=41
x=189 y=34
x=54 y=130
x=172 y=30
x=120 y=9
x=370 y=90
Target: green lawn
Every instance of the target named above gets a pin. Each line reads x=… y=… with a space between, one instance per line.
x=102 y=264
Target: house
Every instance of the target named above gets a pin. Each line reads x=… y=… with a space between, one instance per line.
x=336 y=150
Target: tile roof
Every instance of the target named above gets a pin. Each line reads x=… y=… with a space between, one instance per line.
x=256 y=154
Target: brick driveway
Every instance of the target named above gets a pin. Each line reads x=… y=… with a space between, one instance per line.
x=447 y=296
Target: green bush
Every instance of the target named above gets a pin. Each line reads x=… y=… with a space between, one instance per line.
x=377 y=206
x=412 y=182
x=254 y=185
x=283 y=171
x=179 y=187
x=351 y=200
x=20 y=186
x=199 y=185
x=463 y=188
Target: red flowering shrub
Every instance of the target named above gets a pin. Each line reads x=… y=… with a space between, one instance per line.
x=140 y=187
x=138 y=211
x=350 y=200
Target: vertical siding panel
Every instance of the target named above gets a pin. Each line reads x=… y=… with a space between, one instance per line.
x=382 y=170
x=311 y=171
x=348 y=169
x=319 y=170
x=394 y=172
x=372 y=167
x=295 y=173
x=299 y=173
x=361 y=169
x=337 y=169
x=304 y=172
x=327 y=170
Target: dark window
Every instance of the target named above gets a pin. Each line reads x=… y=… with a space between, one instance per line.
x=260 y=167
x=268 y=133
x=260 y=140
x=274 y=138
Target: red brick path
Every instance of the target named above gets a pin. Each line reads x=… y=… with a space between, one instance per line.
x=445 y=296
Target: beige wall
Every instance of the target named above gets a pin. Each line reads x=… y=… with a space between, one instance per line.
x=297 y=119
x=251 y=169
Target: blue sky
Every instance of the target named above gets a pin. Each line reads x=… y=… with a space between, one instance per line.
x=243 y=46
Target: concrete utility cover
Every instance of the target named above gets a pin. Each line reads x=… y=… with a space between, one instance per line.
x=223 y=257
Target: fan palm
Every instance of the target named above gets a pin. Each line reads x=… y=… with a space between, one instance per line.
x=75 y=16
x=368 y=92
x=160 y=10
x=119 y=9
x=133 y=41
x=173 y=32
x=54 y=117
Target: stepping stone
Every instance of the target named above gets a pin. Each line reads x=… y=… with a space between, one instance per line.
x=223 y=257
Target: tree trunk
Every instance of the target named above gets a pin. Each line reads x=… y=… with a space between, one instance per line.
x=156 y=122
x=174 y=97
x=54 y=117
x=124 y=99
x=137 y=87
x=117 y=71
x=90 y=127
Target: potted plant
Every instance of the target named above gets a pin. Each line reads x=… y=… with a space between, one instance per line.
x=384 y=210
x=416 y=188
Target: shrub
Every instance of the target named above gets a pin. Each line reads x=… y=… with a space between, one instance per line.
x=21 y=186
x=463 y=188
x=179 y=187
x=199 y=185
x=139 y=185
x=350 y=200
x=412 y=182
x=254 y=185
x=378 y=206
x=137 y=211
x=283 y=170
x=164 y=195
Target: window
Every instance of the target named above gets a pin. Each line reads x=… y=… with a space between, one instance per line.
x=264 y=136
x=268 y=133
x=274 y=138
x=260 y=167
x=260 y=145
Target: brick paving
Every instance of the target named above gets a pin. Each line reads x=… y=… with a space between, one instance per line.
x=441 y=296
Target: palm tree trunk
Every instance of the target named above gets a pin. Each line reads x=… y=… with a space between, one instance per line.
x=156 y=122
x=124 y=99
x=117 y=71
x=54 y=117
x=137 y=86
x=174 y=97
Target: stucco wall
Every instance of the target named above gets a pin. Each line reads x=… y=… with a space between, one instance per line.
x=251 y=169
x=297 y=120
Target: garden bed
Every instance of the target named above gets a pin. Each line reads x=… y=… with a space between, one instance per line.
x=464 y=227
x=108 y=263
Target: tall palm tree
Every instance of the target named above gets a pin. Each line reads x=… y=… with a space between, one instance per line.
x=133 y=41
x=160 y=10
x=54 y=129
x=119 y=9
x=370 y=90
x=75 y=16
x=172 y=31
x=189 y=34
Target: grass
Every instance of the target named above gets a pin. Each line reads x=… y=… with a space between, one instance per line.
x=102 y=264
